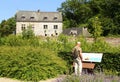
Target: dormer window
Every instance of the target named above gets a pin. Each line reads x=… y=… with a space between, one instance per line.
x=23 y=17
x=31 y=18
x=45 y=18
x=55 y=18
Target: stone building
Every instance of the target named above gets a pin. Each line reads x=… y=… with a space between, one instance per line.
x=42 y=23
x=74 y=31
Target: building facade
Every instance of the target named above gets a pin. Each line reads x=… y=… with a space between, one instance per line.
x=42 y=23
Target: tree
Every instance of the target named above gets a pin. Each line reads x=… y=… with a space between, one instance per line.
x=75 y=12
x=28 y=33
x=109 y=14
x=7 y=26
x=108 y=26
x=95 y=27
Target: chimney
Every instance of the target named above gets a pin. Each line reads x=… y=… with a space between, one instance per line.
x=38 y=10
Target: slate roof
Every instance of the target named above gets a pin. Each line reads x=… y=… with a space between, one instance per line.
x=68 y=31
x=38 y=16
x=77 y=31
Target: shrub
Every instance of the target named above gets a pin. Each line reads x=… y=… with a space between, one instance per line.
x=31 y=64
x=110 y=63
x=28 y=33
x=17 y=40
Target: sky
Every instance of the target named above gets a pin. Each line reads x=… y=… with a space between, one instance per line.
x=9 y=8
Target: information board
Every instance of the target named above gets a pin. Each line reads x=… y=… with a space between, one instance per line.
x=92 y=57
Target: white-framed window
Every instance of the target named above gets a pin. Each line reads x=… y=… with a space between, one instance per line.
x=45 y=26
x=23 y=27
x=55 y=26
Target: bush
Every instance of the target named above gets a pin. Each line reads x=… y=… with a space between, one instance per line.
x=110 y=63
x=14 y=40
x=31 y=64
x=28 y=33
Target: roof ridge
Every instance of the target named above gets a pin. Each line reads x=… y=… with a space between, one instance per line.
x=38 y=11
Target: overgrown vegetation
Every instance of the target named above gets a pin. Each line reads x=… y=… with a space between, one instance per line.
x=77 y=13
x=30 y=63
x=41 y=58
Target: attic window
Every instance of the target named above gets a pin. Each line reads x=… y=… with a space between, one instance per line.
x=22 y=17
x=45 y=18
x=31 y=18
x=55 y=18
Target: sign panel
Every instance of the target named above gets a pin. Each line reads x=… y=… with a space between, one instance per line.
x=92 y=57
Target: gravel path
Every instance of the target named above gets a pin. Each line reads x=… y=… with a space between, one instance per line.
x=59 y=79
x=8 y=80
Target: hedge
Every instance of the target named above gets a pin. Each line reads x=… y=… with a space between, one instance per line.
x=111 y=63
